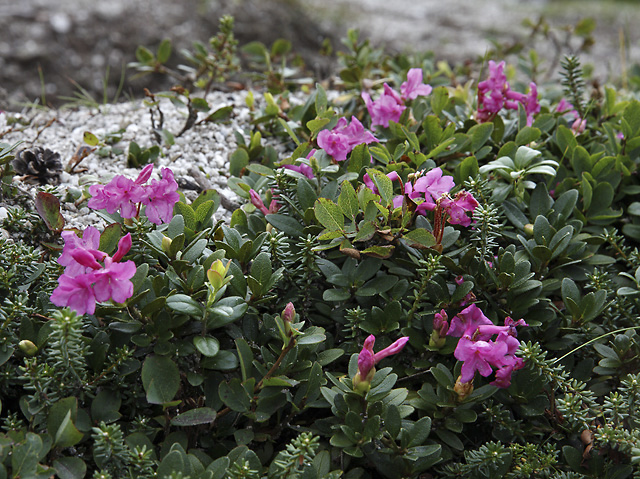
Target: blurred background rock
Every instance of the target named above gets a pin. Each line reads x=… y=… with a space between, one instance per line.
x=50 y=48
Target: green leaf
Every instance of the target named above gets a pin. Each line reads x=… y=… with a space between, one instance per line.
x=25 y=456
x=70 y=468
x=261 y=269
x=105 y=407
x=221 y=114
x=288 y=129
x=204 y=211
x=384 y=185
x=164 y=51
x=321 y=99
x=329 y=214
x=144 y=55
x=439 y=99
x=316 y=125
x=234 y=395
x=195 y=417
x=109 y=238
x=160 y=379
x=238 y=161
x=421 y=237
x=527 y=135
x=187 y=214
x=393 y=421
x=287 y=224
x=207 y=345
x=185 y=304
x=348 y=201
x=245 y=356
x=67 y=434
x=48 y=207
x=479 y=135
x=359 y=158
x=90 y=139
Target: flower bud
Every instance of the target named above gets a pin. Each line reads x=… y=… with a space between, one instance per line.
x=528 y=228
x=463 y=390
x=166 y=244
x=288 y=315
x=216 y=274
x=27 y=347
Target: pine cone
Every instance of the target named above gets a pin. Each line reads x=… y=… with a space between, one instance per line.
x=39 y=164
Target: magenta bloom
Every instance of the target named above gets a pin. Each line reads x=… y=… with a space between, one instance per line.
x=367 y=359
x=339 y=141
x=257 y=202
x=120 y=193
x=76 y=293
x=458 y=207
x=113 y=281
x=335 y=144
x=432 y=186
x=85 y=279
x=478 y=356
x=388 y=107
x=90 y=242
x=467 y=321
x=302 y=168
x=160 y=197
x=413 y=87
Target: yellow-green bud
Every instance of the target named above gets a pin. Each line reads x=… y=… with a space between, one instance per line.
x=166 y=244
x=528 y=228
x=216 y=274
x=27 y=347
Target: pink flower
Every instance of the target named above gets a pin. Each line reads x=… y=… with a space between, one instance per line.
x=120 y=193
x=458 y=207
x=160 y=197
x=113 y=281
x=257 y=202
x=413 y=87
x=466 y=322
x=432 y=186
x=367 y=360
x=86 y=280
x=75 y=292
x=478 y=356
x=388 y=107
x=90 y=241
x=302 y=168
x=341 y=140
x=335 y=144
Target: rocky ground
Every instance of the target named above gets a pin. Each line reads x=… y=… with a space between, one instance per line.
x=48 y=48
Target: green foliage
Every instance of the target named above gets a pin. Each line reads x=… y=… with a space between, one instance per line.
x=207 y=372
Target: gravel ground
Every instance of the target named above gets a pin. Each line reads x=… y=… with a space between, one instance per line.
x=205 y=148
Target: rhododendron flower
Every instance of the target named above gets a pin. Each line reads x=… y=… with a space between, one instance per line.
x=90 y=241
x=413 y=87
x=90 y=274
x=466 y=322
x=258 y=203
x=458 y=207
x=341 y=140
x=367 y=359
x=431 y=186
x=306 y=170
x=494 y=94
x=112 y=281
x=76 y=292
x=126 y=195
x=388 y=107
x=160 y=198
x=478 y=356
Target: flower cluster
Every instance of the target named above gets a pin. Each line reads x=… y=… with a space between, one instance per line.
x=390 y=105
x=495 y=93
x=367 y=359
x=339 y=141
x=92 y=275
x=127 y=195
x=477 y=350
